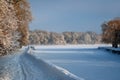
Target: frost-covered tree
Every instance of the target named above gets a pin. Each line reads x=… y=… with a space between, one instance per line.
x=111 y=32
x=14 y=19
x=23 y=14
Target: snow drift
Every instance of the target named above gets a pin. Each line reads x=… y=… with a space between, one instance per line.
x=24 y=66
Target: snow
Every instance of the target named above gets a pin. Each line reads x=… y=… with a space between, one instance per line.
x=70 y=62
x=70 y=46
x=89 y=63
x=24 y=66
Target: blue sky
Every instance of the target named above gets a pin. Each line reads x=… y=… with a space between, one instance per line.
x=72 y=15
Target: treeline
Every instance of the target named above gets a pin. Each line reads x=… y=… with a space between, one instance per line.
x=53 y=38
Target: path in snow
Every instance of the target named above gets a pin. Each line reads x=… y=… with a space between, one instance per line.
x=23 y=66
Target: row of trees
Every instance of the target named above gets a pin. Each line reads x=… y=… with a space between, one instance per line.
x=111 y=32
x=40 y=37
x=15 y=16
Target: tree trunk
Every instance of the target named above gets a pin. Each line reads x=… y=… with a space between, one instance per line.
x=115 y=45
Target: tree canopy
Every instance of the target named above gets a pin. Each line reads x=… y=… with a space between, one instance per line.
x=111 y=32
x=15 y=16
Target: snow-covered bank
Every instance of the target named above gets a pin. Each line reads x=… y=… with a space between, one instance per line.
x=70 y=46
x=24 y=66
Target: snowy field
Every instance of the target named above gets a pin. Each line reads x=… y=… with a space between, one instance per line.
x=70 y=62
x=85 y=61
x=24 y=66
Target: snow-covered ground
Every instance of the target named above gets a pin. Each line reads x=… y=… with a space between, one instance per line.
x=71 y=62
x=24 y=66
x=71 y=46
x=85 y=61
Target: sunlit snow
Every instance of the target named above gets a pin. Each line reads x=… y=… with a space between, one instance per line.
x=70 y=62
